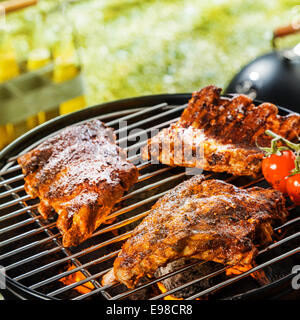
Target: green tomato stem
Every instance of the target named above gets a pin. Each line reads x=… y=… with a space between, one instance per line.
x=293 y=146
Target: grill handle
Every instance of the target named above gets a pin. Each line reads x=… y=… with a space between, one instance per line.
x=285 y=31
x=14 y=5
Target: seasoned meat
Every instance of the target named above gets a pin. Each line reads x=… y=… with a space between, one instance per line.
x=209 y=220
x=221 y=134
x=80 y=173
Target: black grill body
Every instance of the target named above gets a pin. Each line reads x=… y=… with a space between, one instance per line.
x=30 y=247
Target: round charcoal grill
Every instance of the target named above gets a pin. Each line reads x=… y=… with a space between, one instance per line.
x=38 y=266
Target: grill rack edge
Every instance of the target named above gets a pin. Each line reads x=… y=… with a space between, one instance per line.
x=10 y=167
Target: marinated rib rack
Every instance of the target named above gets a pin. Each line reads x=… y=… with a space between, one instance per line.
x=80 y=173
x=31 y=250
x=228 y=131
x=200 y=218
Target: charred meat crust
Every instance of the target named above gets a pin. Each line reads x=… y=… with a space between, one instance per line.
x=80 y=173
x=206 y=219
x=228 y=129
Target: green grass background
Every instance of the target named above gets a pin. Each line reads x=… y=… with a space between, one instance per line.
x=134 y=47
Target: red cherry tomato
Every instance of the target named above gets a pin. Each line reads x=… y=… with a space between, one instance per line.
x=293 y=188
x=277 y=167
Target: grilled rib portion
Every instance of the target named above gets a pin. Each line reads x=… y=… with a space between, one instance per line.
x=80 y=173
x=205 y=219
x=221 y=134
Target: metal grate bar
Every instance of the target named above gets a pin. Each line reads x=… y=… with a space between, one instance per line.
x=75 y=255
x=127 y=293
x=10 y=170
x=276 y=244
x=29 y=246
x=135 y=135
x=78 y=283
x=243 y=275
x=143 y=120
x=110 y=227
x=21 y=188
x=11 y=180
x=9 y=192
x=58 y=235
x=280 y=242
x=137 y=114
x=150 y=119
x=31 y=258
x=24 y=235
x=195 y=281
x=190 y=283
x=145 y=285
x=15 y=201
x=17 y=212
x=21 y=176
x=18 y=225
x=69 y=272
x=133 y=113
x=102 y=118
x=123 y=210
x=215 y=273
x=287 y=224
x=129 y=195
x=153 y=185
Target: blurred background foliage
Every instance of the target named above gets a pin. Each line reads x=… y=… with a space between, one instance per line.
x=136 y=47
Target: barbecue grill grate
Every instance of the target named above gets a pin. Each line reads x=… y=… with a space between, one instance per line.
x=31 y=250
